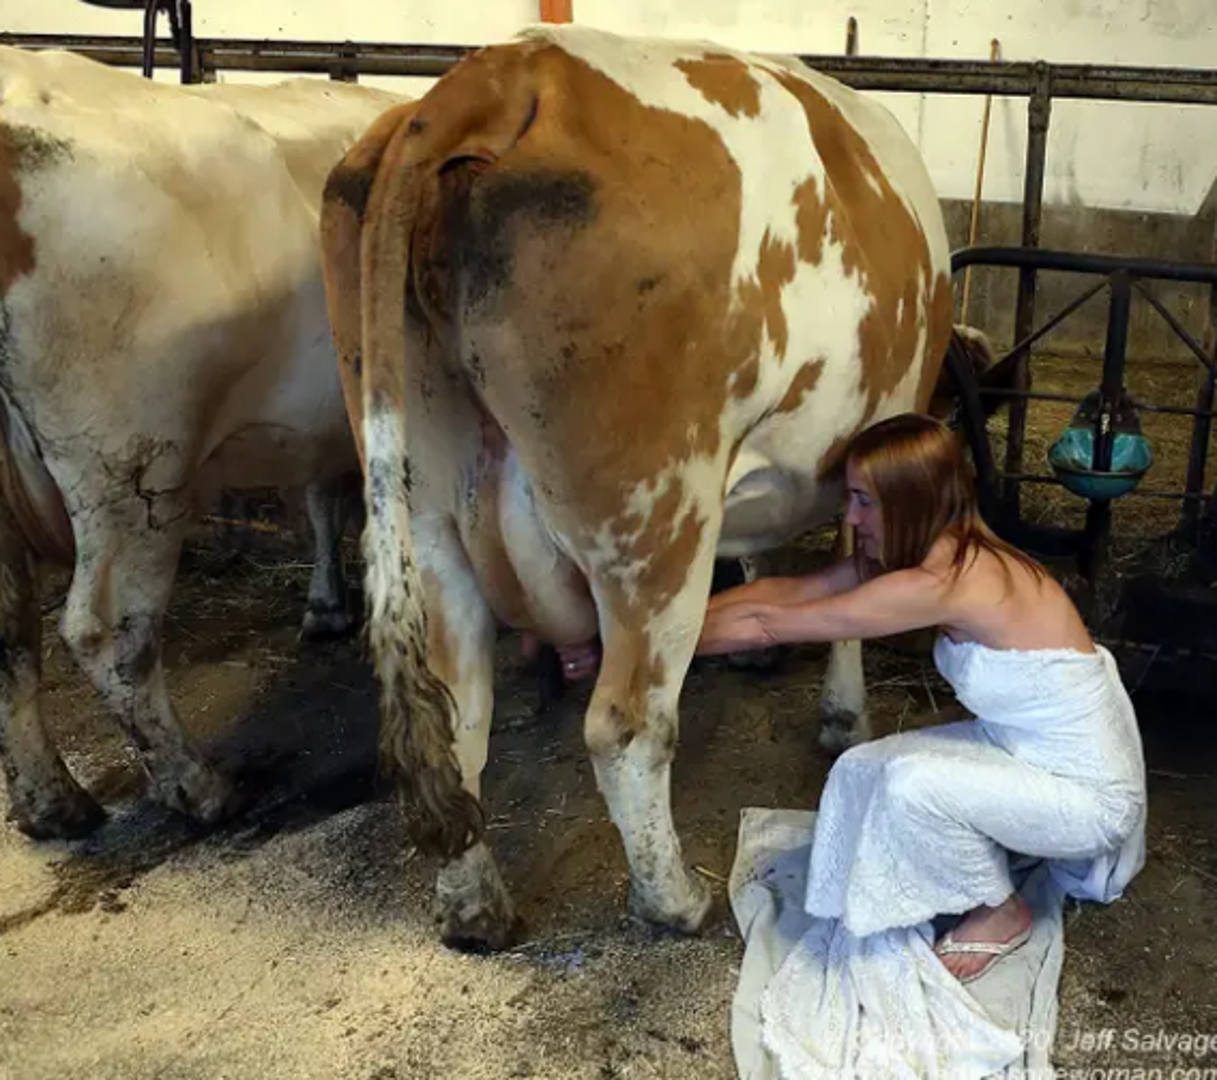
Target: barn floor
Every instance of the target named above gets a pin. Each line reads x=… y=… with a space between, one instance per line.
x=297 y=941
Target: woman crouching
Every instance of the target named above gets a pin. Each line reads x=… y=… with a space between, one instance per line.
x=923 y=824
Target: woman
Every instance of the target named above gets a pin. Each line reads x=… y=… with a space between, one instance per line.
x=920 y=824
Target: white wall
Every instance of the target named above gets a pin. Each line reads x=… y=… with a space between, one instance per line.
x=1143 y=157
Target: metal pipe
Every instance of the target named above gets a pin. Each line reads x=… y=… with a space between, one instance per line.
x=1136 y=493
x=1197 y=462
x=148 y=45
x=1039 y=112
x=1024 y=346
x=1069 y=399
x=1080 y=263
x=1179 y=329
x=1185 y=86
x=1112 y=386
x=1175 y=410
x=190 y=58
x=972 y=418
x=1202 y=431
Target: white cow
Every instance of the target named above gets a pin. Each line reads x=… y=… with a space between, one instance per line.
x=163 y=335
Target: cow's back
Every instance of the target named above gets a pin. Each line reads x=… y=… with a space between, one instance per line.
x=171 y=291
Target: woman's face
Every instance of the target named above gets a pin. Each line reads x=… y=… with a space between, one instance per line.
x=864 y=514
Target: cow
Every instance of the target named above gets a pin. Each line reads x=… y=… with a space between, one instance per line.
x=163 y=337
x=607 y=307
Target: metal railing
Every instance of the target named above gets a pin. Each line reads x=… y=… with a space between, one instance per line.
x=1040 y=82
x=1122 y=277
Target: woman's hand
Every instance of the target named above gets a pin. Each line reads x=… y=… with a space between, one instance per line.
x=734 y=628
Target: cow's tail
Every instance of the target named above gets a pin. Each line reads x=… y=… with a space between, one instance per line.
x=461 y=118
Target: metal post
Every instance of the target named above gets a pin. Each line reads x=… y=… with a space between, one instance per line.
x=1113 y=367
x=1202 y=429
x=150 y=12
x=1098 y=513
x=1039 y=111
x=183 y=26
x=344 y=69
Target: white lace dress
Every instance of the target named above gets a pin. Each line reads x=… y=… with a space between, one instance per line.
x=921 y=824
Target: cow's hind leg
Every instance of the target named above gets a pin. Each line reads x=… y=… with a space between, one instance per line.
x=126 y=561
x=44 y=800
x=327 y=614
x=631 y=732
x=474 y=907
x=844 y=720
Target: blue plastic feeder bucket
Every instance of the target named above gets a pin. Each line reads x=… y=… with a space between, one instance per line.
x=1072 y=458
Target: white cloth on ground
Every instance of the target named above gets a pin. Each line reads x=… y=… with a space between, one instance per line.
x=921 y=824
x=1018 y=995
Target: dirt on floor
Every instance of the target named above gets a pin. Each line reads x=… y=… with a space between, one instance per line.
x=297 y=941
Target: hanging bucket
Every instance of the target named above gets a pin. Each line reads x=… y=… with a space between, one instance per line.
x=1072 y=455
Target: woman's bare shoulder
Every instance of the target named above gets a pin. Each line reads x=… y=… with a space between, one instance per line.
x=1002 y=602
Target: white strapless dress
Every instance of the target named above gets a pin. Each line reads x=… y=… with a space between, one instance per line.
x=920 y=824
x=924 y=823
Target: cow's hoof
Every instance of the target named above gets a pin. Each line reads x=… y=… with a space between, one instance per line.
x=473 y=905
x=69 y=814
x=839 y=730
x=686 y=914
x=322 y=622
x=482 y=933
x=199 y=792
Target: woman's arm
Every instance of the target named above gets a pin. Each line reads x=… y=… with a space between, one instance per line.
x=888 y=604
x=786 y=590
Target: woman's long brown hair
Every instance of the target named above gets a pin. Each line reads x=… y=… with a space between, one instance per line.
x=915 y=466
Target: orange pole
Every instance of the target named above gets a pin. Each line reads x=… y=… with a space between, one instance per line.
x=557 y=11
x=994 y=53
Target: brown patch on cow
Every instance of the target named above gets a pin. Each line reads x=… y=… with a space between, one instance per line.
x=774 y=271
x=811 y=218
x=669 y=544
x=759 y=303
x=580 y=365
x=804 y=383
x=580 y=204
x=881 y=238
x=724 y=81
x=16 y=245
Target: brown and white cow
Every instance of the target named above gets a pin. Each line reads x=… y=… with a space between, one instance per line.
x=607 y=307
x=163 y=335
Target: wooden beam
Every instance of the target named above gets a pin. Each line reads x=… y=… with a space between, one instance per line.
x=557 y=11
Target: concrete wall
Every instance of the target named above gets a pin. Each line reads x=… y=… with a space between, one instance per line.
x=1179 y=237
x=1121 y=178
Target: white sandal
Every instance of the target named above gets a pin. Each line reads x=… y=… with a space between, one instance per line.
x=948 y=946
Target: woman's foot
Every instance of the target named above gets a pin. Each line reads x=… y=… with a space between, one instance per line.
x=995 y=930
